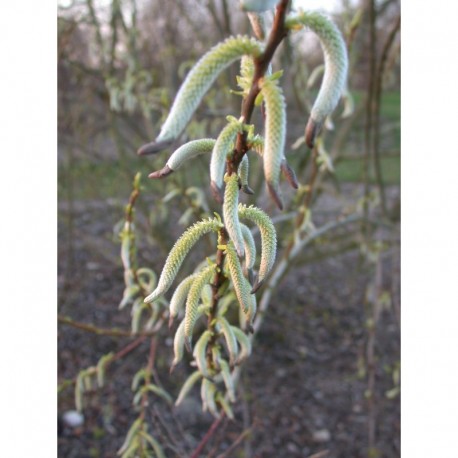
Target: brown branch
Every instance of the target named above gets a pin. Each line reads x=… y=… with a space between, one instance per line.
x=114 y=332
x=261 y=64
x=377 y=101
x=208 y=436
x=236 y=443
x=368 y=129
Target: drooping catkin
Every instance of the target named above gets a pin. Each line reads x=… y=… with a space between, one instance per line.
x=187 y=386
x=336 y=68
x=229 y=337
x=192 y=302
x=250 y=250
x=240 y=283
x=200 y=353
x=200 y=78
x=230 y=212
x=179 y=297
x=183 y=154
x=222 y=148
x=178 y=253
x=268 y=240
x=274 y=136
x=243 y=172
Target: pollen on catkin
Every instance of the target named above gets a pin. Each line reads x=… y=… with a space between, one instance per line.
x=199 y=80
x=275 y=134
x=336 y=68
x=223 y=147
x=268 y=239
x=183 y=154
x=178 y=253
x=230 y=213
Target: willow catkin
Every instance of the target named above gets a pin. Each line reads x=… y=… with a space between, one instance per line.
x=244 y=344
x=200 y=353
x=256 y=143
x=223 y=147
x=199 y=80
x=178 y=253
x=243 y=172
x=250 y=250
x=275 y=134
x=187 y=386
x=268 y=240
x=229 y=337
x=183 y=154
x=240 y=283
x=192 y=302
x=231 y=214
x=179 y=297
x=208 y=392
x=335 y=63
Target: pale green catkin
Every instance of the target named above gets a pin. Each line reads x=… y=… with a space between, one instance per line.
x=179 y=296
x=223 y=147
x=244 y=343
x=268 y=239
x=192 y=302
x=256 y=144
x=178 y=345
x=179 y=340
x=187 y=386
x=275 y=134
x=178 y=253
x=183 y=154
x=200 y=353
x=243 y=172
x=228 y=381
x=229 y=337
x=240 y=283
x=230 y=212
x=336 y=67
x=250 y=248
x=208 y=392
x=199 y=80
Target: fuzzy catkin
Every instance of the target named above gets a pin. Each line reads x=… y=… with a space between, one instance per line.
x=250 y=247
x=179 y=296
x=230 y=213
x=335 y=63
x=222 y=148
x=274 y=136
x=240 y=283
x=192 y=302
x=190 y=150
x=199 y=80
x=178 y=253
x=268 y=239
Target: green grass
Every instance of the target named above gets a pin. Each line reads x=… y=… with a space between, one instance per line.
x=351 y=170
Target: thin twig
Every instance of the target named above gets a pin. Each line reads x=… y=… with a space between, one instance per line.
x=113 y=332
x=120 y=354
x=207 y=436
x=236 y=443
x=261 y=64
x=377 y=102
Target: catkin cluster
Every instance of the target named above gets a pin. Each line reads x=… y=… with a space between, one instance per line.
x=216 y=287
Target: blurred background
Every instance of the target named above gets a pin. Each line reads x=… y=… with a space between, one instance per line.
x=323 y=379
